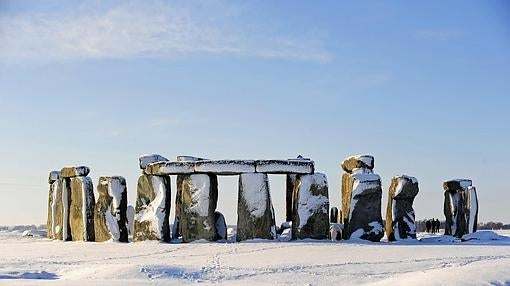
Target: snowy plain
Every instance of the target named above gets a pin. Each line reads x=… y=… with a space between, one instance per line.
x=436 y=260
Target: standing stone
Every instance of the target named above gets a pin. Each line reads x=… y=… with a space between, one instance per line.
x=221 y=226
x=361 y=199
x=53 y=180
x=66 y=207
x=57 y=224
x=81 y=211
x=110 y=214
x=199 y=197
x=255 y=214
x=152 y=208
x=130 y=215
x=400 y=216
x=460 y=207
x=289 y=205
x=333 y=217
x=311 y=205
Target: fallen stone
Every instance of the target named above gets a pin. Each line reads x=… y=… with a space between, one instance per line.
x=400 y=215
x=225 y=167
x=170 y=168
x=255 y=214
x=361 y=206
x=293 y=166
x=145 y=160
x=110 y=213
x=70 y=172
x=81 y=210
x=221 y=226
x=199 y=197
x=358 y=162
x=311 y=205
x=152 y=208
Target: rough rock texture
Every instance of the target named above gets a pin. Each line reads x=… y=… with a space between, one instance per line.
x=221 y=226
x=357 y=162
x=145 y=160
x=53 y=180
x=152 y=208
x=284 y=166
x=170 y=168
x=333 y=217
x=400 y=216
x=255 y=214
x=57 y=224
x=199 y=197
x=81 y=211
x=110 y=213
x=130 y=216
x=225 y=167
x=460 y=207
x=69 y=172
x=311 y=205
x=289 y=205
x=361 y=206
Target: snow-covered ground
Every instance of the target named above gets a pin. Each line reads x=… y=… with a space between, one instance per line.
x=37 y=260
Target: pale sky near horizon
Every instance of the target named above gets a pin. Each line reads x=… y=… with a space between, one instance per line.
x=424 y=87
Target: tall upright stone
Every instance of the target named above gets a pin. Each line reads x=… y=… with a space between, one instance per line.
x=361 y=199
x=311 y=205
x=54 y=206
x=460 y=207
x=110 y=214
x=255 y=214
x=289 y=194
x=198 y=198
x=78 y=204
x=400 y=216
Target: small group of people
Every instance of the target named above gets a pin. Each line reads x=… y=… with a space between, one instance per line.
x=432 y=225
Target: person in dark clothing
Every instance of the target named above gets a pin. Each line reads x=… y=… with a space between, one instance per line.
x=438 y=225
x=428 y=225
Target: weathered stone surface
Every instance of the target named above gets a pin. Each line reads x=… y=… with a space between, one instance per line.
x=289 y=205
x=311 y=205
x=145 y=160
x=110 y=213
x=66 y=208
x=53 y=176
x=284 y=166
x=357 y=162
x=199 y=197
x=152 y=208
x=333 y=217
x=183 y=158
x=170 y=168
x=361 y=206
x=400 y=216
x=255 y=214
x=54 y=220
x=221 y=226
x=225 y=167
x=81 y=211
x=130 y=215
x=460 y=207
x=70 y=172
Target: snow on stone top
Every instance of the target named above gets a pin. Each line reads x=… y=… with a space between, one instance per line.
x=53 y=176
x=225 y=167
x=358 y=161
x=69 y=172
x=403 y=190
x=165 y=168
x=454 y=185
x=116 y=186
x=405 y=177
x=147 y=159
x=285 y=166
x=255 y=193
x=183 y=158
x=366 y=177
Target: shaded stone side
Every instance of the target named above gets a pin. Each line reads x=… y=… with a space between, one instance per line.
x=221 y=226
x=255 y=214
x=199 y=194
x=110 y=214
x=400 y=215
x=66 y=209
x=311 y=207
x=460 y=207
x=57 y=211
x=333 y=217
x=81 y=211
x=472 y=209
x=51 y=210
x=152 y=208
x=289 y=205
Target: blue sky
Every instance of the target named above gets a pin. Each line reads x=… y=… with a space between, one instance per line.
x=424 y=87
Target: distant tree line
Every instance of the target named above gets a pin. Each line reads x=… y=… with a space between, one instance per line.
x=421 y=225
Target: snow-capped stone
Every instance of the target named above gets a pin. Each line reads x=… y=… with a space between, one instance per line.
x=221 y=226
x=294 y=166
x=182 y=158
x=165 y=168
x=54 y=220
x=147 y=159
x=361 y=206
x=255 y=215
x=454 y=185
x=289 y=205
x=333 y=217
x=152 y=208
x=225 y=167
x=471 y=209
x=110 y=212
x=199 y=197
x=53 y=176
x=69 y=172
x=400 y=216
x=358 y=161
x=311 y=205
x=460 y=207
x=335 y=231
x=81 y=209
